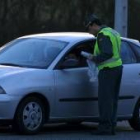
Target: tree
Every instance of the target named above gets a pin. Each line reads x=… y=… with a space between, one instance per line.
x=22 y=17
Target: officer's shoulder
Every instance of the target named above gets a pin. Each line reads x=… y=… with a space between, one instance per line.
x=101 y=36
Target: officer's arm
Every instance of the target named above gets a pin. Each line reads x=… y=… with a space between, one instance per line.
x=105 y=47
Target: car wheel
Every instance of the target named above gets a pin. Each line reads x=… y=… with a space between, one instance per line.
x=135 y=120
x=29 y=116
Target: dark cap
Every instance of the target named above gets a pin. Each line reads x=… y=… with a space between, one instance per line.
x=92 y=18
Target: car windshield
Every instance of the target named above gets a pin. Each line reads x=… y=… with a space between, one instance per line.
x=31 y=52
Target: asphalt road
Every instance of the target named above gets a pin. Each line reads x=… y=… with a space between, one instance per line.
x=72 y=132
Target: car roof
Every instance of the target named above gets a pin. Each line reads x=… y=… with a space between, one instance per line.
x=71 y=36
x=131 y=40
x=63 y=36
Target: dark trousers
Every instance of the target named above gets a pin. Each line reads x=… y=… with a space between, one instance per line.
x=108 y=94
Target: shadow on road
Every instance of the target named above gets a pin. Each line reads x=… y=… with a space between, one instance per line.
x=55 y=128
x=66 y=128
x=69 y=128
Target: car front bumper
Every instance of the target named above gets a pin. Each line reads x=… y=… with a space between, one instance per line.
x=8 y=105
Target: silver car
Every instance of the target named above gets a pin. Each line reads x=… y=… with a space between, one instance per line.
x=44 y=79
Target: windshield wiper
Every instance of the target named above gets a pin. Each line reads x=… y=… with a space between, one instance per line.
x=11 y=64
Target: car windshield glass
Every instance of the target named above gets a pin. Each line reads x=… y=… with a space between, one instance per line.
x=33 y=52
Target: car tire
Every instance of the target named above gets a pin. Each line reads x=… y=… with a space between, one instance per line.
x=135 y=120
x=30 y=116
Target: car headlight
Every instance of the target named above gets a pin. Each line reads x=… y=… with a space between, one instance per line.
x=2 y=91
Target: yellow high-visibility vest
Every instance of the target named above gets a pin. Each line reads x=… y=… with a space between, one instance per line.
x=116 y=46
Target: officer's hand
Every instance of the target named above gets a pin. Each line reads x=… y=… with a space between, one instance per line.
x=87 y=55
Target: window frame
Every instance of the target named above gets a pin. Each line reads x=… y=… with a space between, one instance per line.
x=58 y=66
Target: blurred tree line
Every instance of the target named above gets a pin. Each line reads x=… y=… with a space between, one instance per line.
x=22 y=17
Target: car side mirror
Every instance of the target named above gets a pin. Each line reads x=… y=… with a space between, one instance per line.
x=70 y=63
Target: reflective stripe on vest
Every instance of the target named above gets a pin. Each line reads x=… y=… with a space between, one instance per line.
x=109 y=61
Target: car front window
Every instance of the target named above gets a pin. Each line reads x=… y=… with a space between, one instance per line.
x=31 y=52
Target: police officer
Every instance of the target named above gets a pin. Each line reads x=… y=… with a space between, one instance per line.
x=107 y=58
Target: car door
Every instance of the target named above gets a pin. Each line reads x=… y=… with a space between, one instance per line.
x=130 y=90
x=76 y=96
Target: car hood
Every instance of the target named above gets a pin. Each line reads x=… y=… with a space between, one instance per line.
x=25 y=80
x=8 y=70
